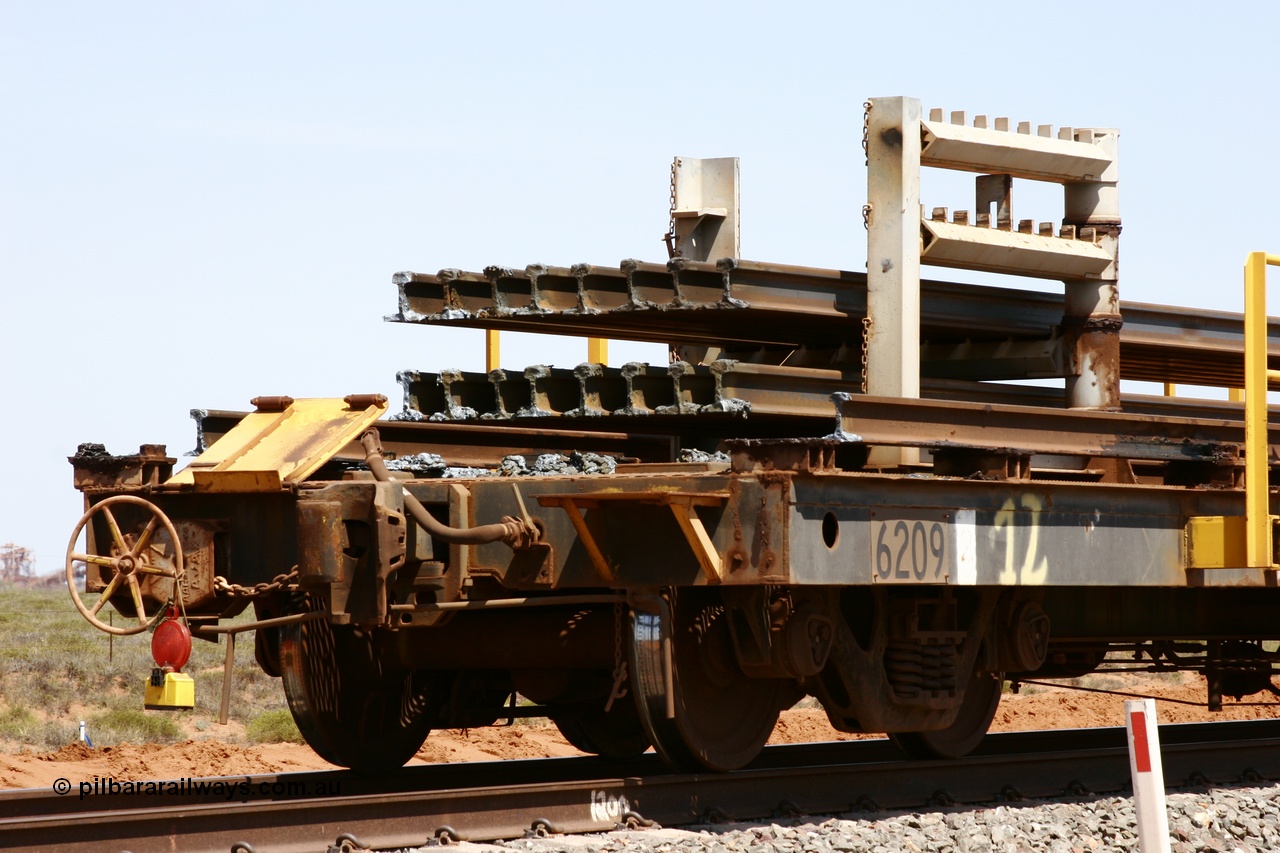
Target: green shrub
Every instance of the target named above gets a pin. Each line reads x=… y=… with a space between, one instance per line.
x=132 y=725
x=17 y=723
x=273 y=727
x=58 y=666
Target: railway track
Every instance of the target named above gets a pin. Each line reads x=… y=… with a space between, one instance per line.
x=506 y=799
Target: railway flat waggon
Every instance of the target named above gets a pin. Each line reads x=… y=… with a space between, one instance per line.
x=855 y=486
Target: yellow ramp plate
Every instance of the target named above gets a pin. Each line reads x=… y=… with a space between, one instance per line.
x=283 y=442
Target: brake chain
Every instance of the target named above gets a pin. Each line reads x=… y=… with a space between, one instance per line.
x=866 y=333
x=670 y=237
x=866 y=132
x=866 y=224
x=619 y=665
x=236 y=590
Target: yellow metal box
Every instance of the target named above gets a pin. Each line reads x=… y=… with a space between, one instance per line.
x=177 y=692
x=1216 y=542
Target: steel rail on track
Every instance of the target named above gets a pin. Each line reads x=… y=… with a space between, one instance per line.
x=505 y=799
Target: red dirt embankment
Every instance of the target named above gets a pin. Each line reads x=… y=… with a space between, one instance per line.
x=1042 y=709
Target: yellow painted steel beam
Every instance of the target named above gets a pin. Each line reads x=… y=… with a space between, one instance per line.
x=1258 y=522
x=492 y=350
x=602 y=566
x=699 y=540
x=598 y=350
x=683 y=507
x=1212 y=541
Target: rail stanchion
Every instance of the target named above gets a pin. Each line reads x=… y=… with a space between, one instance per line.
x=1149 y=807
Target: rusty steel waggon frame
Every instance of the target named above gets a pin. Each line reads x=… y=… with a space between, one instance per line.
x=823 y=493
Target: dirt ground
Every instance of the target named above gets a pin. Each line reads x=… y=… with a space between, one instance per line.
x=1034 y=708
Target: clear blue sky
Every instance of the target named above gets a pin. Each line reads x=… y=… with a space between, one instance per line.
x=200 y=203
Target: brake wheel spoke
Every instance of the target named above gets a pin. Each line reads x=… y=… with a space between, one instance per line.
x=116 y=536
x=156 y=570
x=145 y=538
x=106 y=594
x=110 y=562
x=136 y=590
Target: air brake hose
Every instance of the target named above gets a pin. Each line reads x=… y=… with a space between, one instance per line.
x=512 y=531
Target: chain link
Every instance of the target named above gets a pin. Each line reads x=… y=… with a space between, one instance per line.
x=235 y=590
x=866 y=224
x=619 y=665
x=866 y=333
x=670 y=237
x=866 y=133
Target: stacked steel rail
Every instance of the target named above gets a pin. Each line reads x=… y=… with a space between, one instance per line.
x=764 y=313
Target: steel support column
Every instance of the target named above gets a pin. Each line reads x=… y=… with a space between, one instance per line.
x=1258 y=538
x=1092 y=316
x=893 y=256
x=705 y=207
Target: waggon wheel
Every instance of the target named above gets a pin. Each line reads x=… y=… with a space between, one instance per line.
x=150 y=548
x=616 y=734
x=350 y=709
x=977 y=710
x=716 y=718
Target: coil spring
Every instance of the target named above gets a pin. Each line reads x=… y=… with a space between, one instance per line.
x=915 y=668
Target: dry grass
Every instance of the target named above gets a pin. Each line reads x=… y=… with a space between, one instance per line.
x=56 y=670
x=273 y=727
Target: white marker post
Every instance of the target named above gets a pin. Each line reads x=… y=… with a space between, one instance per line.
x=1148 y=775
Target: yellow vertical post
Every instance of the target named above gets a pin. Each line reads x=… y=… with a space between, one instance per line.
x=1170 y=389
x=492 y=350
x=598 y=350
x=1236 y=395
x=1257 y=497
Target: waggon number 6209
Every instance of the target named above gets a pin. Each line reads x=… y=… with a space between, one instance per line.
x=911 y=550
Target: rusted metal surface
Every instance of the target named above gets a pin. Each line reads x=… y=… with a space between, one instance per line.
x=576 y=637
x=823 y=529
x=476 y=444
x=772 y=400
x=1032 y=430
x=503 y=800
x=650 y=439
x=634 y=391
x=745 y=304
x=95 y=468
